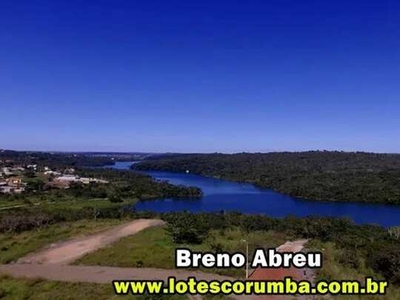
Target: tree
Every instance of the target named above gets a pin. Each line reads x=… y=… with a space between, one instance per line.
x=186 y=228
x=115 y=198
x=34 y=185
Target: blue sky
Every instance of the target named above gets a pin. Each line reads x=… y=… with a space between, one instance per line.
x=200 y=76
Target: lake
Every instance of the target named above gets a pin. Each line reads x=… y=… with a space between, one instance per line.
x=233 y=196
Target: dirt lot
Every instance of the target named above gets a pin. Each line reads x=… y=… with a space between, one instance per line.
x=66 y=252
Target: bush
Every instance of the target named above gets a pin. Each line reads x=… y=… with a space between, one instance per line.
x=27 y=219
x=349 y=258
x=114 y=198
x=386 y=261
x=22 y=222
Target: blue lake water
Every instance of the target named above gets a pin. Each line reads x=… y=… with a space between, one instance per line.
x=232 y=196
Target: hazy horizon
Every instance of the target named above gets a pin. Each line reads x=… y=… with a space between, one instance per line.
x=211 y=152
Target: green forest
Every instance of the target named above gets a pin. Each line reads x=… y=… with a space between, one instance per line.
x=314 y=175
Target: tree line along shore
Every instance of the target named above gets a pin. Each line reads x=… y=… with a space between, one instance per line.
x=313 y=175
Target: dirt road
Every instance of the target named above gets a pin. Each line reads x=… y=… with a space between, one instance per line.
x=99 y=274
x=66 y=252
x=51 y=263
x=295 y=246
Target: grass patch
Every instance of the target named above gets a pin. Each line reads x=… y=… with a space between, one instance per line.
x=59 y=201
x=9 y=203
x=79 y=203
x=16 y=245
x=11 y=288
x=154 y=248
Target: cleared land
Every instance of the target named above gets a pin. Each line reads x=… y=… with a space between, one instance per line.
x=16 y=245
x=66 y=252
x=154 y=248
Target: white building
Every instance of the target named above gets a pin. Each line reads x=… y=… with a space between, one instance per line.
x=52 y=173
x=69 y=178
x=7 y=171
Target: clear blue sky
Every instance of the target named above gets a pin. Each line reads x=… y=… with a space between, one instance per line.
x=200 y=76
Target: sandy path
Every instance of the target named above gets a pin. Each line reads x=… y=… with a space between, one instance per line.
x=295 y=246
x=99 y=274
x=66 y=252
